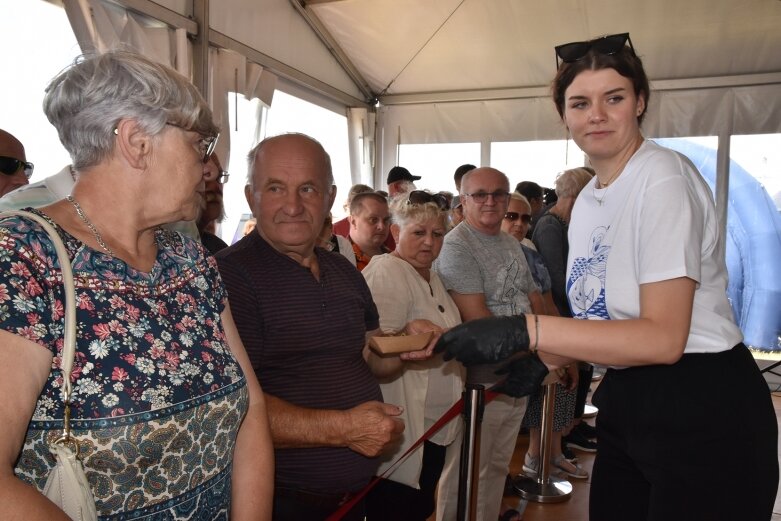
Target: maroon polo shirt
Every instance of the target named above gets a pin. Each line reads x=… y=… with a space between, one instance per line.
x=305 y=338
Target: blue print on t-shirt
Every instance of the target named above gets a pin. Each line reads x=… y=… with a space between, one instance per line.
x=586 y=282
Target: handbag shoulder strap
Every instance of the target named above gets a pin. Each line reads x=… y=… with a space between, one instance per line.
x=69 y=347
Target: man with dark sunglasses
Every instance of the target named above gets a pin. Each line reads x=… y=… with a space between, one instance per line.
x=14 y=168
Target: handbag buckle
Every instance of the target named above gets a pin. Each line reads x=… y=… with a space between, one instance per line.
x=66 y=439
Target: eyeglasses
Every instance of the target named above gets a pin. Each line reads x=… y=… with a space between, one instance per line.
x=514 y=216
x=606 y=45
x=11 y=165
x=222 y=177
x=205 y=145
x=498 y=196
x=423 y=197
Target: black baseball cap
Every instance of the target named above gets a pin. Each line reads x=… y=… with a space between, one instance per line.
x=399 y=173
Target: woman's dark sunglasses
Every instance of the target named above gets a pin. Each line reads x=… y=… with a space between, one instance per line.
x=607 y=45
x=423 y=197
x=514 y=216
x=11 y=165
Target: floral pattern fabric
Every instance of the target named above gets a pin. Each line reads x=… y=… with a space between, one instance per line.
x=157 y=395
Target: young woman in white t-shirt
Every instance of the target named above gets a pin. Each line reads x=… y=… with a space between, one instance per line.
x=686 y=426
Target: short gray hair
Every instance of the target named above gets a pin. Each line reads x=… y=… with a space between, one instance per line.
x=569 y=183
x=253 y=154
x=86 y=101
x=403 y=213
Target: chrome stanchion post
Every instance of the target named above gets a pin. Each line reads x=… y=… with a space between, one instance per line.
x=544 y=488
x=469 y=469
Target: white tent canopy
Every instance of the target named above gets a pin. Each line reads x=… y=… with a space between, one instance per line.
x=449 y=71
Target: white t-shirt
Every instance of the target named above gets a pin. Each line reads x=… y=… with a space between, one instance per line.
x=656 y=222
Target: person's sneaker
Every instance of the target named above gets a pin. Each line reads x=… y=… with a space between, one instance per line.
x=586 y=430
x=509 y=489
x=567 y=452
x=569 y=469
x=589 y=411
x=577 y=441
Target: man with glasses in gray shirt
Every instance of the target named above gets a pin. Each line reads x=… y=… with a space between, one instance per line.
x=486 y=274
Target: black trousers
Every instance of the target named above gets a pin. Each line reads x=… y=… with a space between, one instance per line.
x=696 y=440
x=392 y=501
x=585 y=372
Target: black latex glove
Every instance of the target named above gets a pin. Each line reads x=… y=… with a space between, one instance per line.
x=485 y=340
x=524 y=376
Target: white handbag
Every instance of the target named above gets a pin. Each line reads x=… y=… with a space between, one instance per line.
x=67 y=485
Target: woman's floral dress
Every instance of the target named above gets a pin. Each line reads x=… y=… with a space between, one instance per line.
x=158 y=395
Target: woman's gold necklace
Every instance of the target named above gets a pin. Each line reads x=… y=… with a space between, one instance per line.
x=89 y=225
x=609 y=182
x=606 y=185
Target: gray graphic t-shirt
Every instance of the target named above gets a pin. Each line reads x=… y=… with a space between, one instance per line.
x=494 y=265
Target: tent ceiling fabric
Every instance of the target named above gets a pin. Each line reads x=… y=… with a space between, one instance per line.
x=274 y=28
x=409 y=46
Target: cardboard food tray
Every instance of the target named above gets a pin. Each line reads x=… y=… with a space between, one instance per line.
x=389 y=345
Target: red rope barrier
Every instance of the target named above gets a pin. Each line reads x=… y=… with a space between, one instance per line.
x=454 y=411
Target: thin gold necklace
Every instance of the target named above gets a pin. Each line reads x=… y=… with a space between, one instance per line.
x=609 y=182
x=89 y=225
x=605 y=186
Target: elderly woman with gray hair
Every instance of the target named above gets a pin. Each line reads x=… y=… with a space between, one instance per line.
x=550 y=233
x=405 y=288
x=166 y=409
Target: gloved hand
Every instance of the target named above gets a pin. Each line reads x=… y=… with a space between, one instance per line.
x=524 y=376
x=485 y=340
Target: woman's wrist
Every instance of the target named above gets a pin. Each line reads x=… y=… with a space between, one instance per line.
x=533 y=330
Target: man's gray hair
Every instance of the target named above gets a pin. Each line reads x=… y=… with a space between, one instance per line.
x=86 y=101
x=253 y=154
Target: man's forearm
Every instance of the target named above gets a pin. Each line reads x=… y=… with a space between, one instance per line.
x=293 y=426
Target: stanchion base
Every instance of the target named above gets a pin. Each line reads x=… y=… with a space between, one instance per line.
x=554 y=491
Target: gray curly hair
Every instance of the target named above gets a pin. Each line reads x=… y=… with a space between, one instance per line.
x=86 y=101
x=569 y=183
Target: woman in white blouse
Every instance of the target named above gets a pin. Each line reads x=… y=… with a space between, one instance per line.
x=405 y=288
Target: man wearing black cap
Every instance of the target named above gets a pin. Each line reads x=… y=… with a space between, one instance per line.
x=400 y=180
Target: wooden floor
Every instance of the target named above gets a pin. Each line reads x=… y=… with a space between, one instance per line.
x=576 y=507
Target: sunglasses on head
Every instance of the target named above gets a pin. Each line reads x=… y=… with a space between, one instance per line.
x=423 y=197
x=606 y=45
x=514 y=216
x=11 y=165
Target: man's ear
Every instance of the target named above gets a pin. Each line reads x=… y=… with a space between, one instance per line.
x=248 y=197
x=395 y=229
x=332 y=197
x=133 y=144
